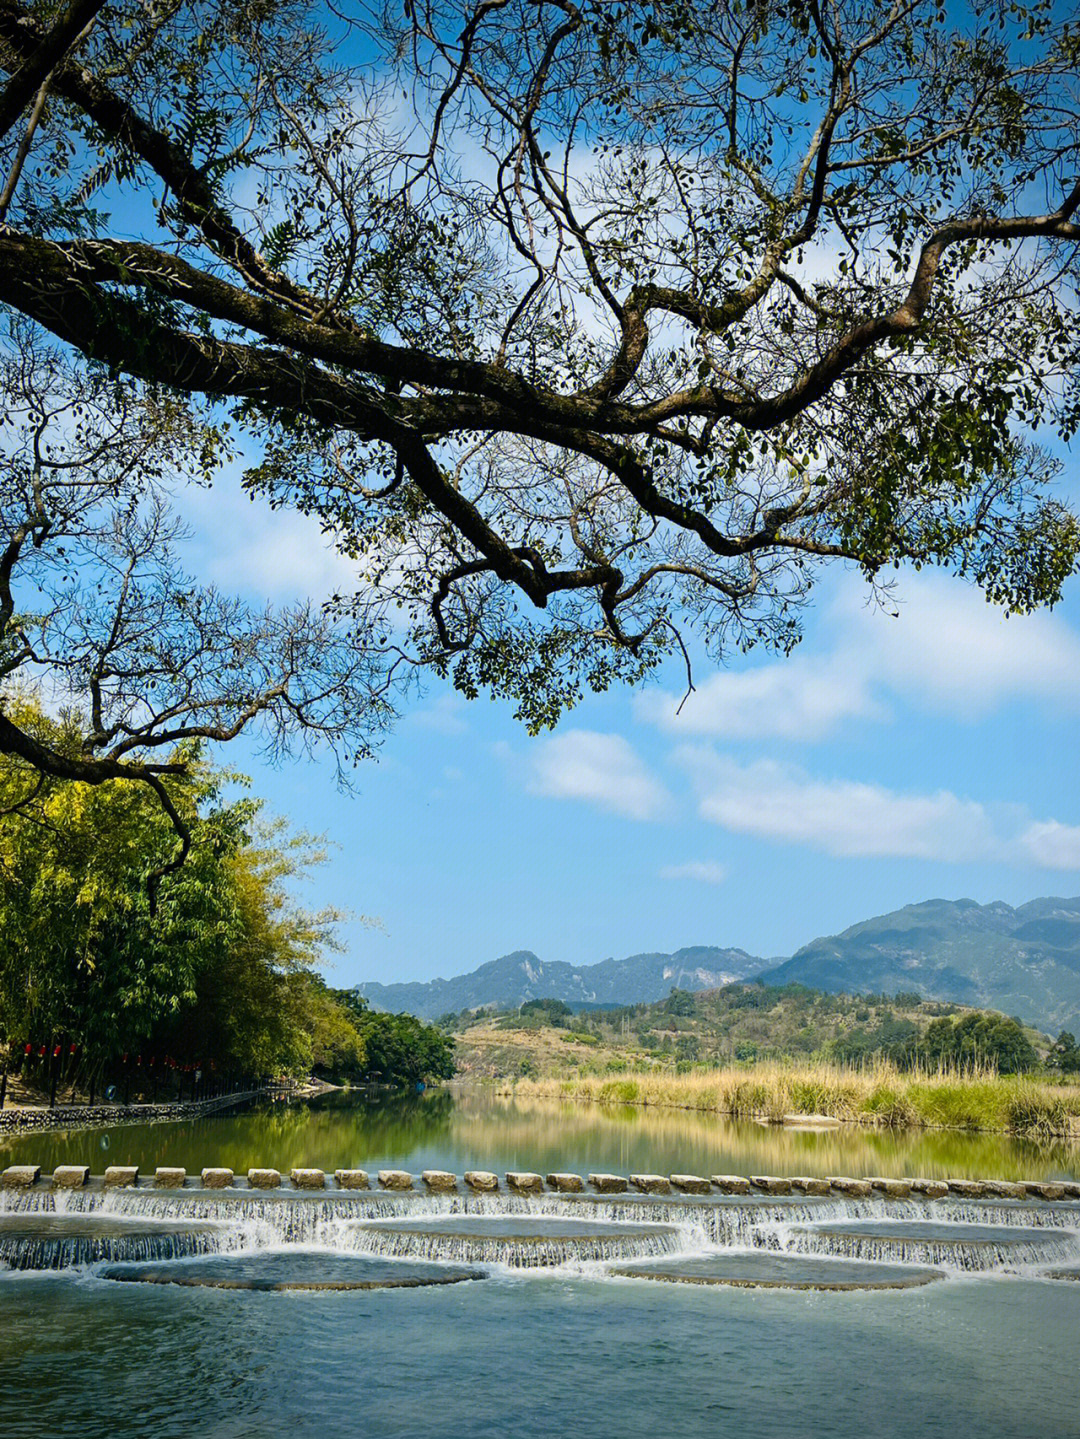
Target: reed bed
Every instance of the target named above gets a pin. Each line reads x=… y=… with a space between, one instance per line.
x=878 y=1094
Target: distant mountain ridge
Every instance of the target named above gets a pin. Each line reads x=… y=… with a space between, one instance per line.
x=509 y=981
x=1023 y=961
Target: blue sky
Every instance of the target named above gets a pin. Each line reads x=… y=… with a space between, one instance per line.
x=889 y=760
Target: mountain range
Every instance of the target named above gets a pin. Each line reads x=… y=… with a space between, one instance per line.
x=1023 y=961
x=509 y=981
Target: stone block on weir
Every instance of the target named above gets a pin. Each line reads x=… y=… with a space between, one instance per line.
x=264 y=1178
x=439 y=1181
x=770 y=1184
x=1047 y=1190
x=71 y=1176
x=690 y=1184
x=168 y=1178
x=651 y=1183
x=1005 y=1189
x=930 y=1188
x=892 y=1188
x=307 y=1178
x=395 y=1179
x=20 y=1176
x=482 y=1180
x=807 y=1185
x=523 y=1182
x=967 y=1188
x=352 y=1178
x=850 y=1188
x=608 y=1183
x=566 y=1183
x=731 y=1183
x=217 y=1178
x=121 y=1176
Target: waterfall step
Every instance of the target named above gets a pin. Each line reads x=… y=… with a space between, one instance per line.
x=768 y=1270
x=517 y=1241
x=304 y=1269
x=30 y=1241
x=973 y=1247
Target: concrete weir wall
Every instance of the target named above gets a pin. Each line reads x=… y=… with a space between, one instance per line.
x=438 y=1181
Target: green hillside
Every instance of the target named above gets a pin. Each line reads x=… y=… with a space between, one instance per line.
x=1023 y=961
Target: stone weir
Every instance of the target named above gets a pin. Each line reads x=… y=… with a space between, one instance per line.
x=526 y=1221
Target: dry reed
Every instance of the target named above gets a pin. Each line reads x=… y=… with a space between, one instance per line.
x=878 y=1094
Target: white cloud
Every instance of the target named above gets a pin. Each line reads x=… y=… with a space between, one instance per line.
x=1051 y=845
x=600 y=769
x=850 y=819
x=946 y=650
x=245 y=546
x=444 y=716
x=706 y=871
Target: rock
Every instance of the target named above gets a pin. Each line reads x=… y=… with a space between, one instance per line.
x=731 y=1183
x=395 y=1179
x=930 y=1188
x=892 y=1188
x=1072 y=1189
x=308 y=1178
x=482 y=1180
x=1044 y=1190
x=690 y=1184
x=439 y=1181
x=71 y=1176
x=608 y=1183
x=651 y=1183
x=811 y=1186
x=811 y=1121
x=1004 y=1189
x=566 y=1183
x=850 y=1188
x=121 y=1176
x=770 y=1184
x=967 y=1188
x=352 y=1178
x=264 y=1178
x=166 y=1178
x=522 y=1182
x=217 y=1178
x=20 y=1176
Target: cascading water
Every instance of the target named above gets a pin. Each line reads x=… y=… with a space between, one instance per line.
x=528 y=1232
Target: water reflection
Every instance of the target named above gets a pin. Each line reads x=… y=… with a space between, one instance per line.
x=470 y=1127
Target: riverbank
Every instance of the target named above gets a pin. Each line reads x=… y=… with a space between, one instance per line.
x=882 y=1096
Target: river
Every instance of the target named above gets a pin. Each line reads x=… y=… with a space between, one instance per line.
x=542 y=1351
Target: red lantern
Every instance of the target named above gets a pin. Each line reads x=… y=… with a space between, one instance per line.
x=29 y=1049
x=56 y=1051
x=72 y=1049
x=41 y=1052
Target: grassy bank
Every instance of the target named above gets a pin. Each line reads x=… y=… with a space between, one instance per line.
x=879 y=1094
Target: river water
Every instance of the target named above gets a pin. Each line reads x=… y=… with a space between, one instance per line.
x=537 y=1351
x=473 y=1128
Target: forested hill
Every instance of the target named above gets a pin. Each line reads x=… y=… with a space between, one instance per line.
x=509 y=981
x=1023 y=961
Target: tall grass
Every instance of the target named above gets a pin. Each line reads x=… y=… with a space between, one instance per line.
x=878 y=1094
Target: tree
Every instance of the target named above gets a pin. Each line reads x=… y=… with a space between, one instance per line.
x=94 y=601
x=399 y=1048
x=583 y=325
x=220 y=973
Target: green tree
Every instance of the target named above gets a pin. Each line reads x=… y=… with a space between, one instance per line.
x=662 y=307
x=217 y=973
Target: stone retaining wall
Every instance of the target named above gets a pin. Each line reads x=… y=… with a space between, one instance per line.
x=86 y=1116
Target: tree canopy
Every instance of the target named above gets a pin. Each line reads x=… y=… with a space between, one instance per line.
x=220 y=974
x=583 y=326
